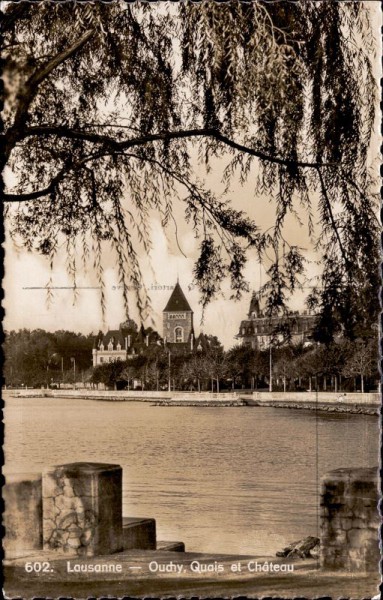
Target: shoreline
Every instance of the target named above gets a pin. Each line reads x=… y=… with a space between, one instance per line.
x=321 y=407
x=223 y=400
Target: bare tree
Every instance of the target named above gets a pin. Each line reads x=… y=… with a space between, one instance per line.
x=363 y=361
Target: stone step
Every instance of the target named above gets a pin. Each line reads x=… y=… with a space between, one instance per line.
x=138 y=533
x=171 y=546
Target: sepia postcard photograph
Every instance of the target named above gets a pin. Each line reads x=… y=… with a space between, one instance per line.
x=191 y=383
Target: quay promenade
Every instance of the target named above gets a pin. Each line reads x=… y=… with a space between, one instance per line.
x=363 y=403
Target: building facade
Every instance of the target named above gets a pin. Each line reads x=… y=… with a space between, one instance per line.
x=260 y=331
x=124 y=344
x=113 y=346
x=177 y=318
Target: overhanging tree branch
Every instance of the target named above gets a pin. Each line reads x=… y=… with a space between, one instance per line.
x=70 y=166
x=41 y=74
x=88 y=136
x=16 y=132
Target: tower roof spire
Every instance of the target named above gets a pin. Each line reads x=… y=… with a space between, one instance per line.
x=177 y=301
x=254 y=308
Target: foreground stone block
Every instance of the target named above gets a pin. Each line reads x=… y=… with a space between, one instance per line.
x=139 y=534
x=82 y=509
x=171 y=546
x=22 y=517
x=350 y=520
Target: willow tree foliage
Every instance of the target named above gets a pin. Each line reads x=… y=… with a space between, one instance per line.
x=108 y=106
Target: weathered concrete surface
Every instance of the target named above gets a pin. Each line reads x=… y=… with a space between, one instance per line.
x=82 y=509
x=350 y=520
x=136 y=579
x=138 y=533
x=22 y=517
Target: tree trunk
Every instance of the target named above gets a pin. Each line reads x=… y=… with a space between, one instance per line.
x=217 y=385
x=362 y=383
x=336 y=384
x=310 y=386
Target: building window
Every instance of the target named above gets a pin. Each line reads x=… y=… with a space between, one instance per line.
x=178 y=335
x=101 y=359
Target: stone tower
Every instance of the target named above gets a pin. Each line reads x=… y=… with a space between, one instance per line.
x=177 y=318
x=254 y=308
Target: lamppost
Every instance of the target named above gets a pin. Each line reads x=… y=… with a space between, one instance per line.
x=199 y=352
x=270 y=370
x=73 y=360
x=55 y=359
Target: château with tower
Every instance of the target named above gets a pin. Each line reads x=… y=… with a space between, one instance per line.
x=178 y=335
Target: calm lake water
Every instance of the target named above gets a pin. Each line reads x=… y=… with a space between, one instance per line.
x=234 y=480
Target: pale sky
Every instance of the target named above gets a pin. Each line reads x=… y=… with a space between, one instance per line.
x=27 y=306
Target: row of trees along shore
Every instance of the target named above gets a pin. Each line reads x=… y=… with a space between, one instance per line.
x=39 y=358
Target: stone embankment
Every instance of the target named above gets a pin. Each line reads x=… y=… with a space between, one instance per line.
x=321 y=407
x=355 y=403
x=202 y=399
